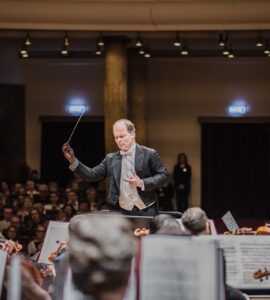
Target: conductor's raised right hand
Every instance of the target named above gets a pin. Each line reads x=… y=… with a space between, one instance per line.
x=68 y=153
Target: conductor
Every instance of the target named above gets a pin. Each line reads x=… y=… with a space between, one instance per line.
x=134 y=172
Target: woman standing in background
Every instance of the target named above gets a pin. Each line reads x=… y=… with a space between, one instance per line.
x=182 y=178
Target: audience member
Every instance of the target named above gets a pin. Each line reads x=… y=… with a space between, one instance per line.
x=11 y=233
x=54 y=204
x=83 y=208
x=4 y=189
x=182 y=181
x=3 y=203
x=43 y=193
x=31 y=189
x=35 y=245
x=34 y=176
x=16 y=222
x=68 y=212
x=35 y=218
x=72 y=199
x=27 y=204
x=8 y=212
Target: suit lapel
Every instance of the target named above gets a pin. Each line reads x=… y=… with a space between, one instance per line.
x=117 y=159
x=139 y=155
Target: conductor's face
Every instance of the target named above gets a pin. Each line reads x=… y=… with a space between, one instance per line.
x=123 y=138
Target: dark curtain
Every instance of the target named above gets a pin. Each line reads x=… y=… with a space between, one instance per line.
x=87 y=143
x=12 y=133
x=236 y=170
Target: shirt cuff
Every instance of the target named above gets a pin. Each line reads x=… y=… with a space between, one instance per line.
x=143 y=187
x=74 y=165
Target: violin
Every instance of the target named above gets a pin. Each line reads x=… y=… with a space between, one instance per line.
x=10 y=246
x=62 y=245
x=261 y=274
x=241 y=231
x=263 y=230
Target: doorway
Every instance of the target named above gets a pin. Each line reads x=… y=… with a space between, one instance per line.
x=235 y=156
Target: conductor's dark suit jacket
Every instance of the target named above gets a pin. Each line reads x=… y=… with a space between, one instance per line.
x=148 y=166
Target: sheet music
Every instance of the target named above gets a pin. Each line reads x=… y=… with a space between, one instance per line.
x=244 y=256
x=173 y=268
x=3 y=260
x=230 y=222
x=57 y=231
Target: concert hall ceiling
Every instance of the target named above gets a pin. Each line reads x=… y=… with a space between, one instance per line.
x=89 y=44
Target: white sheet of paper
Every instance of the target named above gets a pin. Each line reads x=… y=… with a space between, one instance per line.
x=57 y=231
x=244 y=255
x=179 y=268
x=230 y=222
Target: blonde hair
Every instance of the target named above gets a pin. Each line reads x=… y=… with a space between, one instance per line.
x=129 y=125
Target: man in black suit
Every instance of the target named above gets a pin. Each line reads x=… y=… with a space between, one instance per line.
x=134 y=172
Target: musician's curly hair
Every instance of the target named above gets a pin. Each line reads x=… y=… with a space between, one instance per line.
x=194 y=219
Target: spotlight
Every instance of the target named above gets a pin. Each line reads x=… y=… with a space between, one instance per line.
x=225 y=50
x=64 y=50
x=177 y=42
x=66 y=43
x=185 y=50
x=231 y=55
x=101 y=41
x=98 y=50
x=266 y=48
x=141 y=51
x=27 y=41
x=222 y=39
x=23 y=50
x=66 y=40
x=147 y=53
x=138 y=41
x=259 y=42
x=25 y=55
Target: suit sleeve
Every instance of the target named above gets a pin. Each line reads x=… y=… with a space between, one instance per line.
x=159 y=171
x=92 y=174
